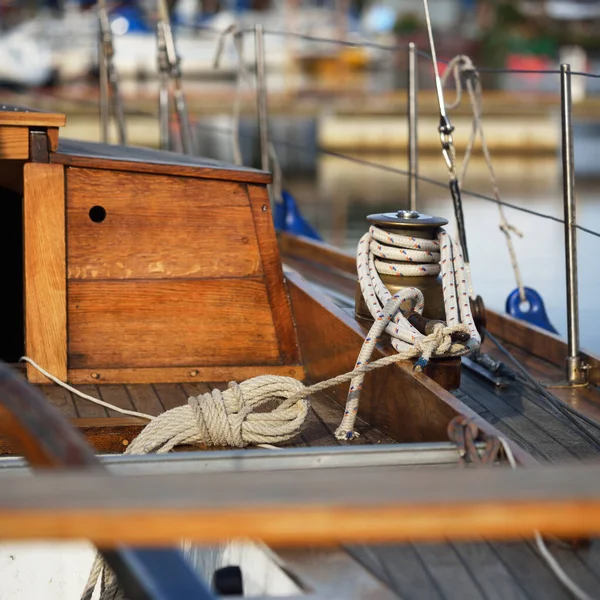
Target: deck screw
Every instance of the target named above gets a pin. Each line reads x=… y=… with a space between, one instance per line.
x=194 y=373
x=125 y=442
x=264 y=208
x=95 y=375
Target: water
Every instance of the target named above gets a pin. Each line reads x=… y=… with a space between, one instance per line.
x=338 y=196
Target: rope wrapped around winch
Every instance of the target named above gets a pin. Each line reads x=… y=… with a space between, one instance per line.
x=383 y=252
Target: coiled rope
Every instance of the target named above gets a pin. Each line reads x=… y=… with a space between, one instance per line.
x=384 y=252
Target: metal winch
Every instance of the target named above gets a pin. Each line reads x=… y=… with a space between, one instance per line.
x=414 y=224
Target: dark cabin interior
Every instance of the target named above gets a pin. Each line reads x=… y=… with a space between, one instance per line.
x=12 y=333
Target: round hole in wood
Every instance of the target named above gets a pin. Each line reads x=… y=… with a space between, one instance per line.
x=97 y=214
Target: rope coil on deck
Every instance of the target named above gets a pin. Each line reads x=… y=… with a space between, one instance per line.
x=229 y=418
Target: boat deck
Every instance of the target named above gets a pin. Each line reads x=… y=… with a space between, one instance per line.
x=414 y=571
x=499 y=570
x=154 y=399
x=495 y=570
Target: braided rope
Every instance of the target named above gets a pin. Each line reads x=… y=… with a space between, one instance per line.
x=398 y=250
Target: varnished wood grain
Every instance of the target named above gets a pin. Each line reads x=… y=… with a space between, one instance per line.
x=78 y=153
x=14 y=142
x=315 y=251
x=304 y=507
x=26 y=117
x=109 y=435
x=537 y=341
x=45 y=277
x=407 y=406
x=158 y=227
x=103 y=434
x=273 y=273
x=132 y=324
x=192 y=373
x=52 y=133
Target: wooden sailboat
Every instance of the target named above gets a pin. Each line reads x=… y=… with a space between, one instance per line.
x=150 y=277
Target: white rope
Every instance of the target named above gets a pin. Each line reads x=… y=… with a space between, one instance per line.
x=554 y=565
x=462 y=68
x=401 y=256
x=131 y=413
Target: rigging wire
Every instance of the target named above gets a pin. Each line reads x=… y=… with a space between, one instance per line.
x=380 y=46
x=353 y=159
x=568 y=411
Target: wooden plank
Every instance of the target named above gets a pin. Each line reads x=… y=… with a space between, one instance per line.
x=23 y=117
x=537 y=341
x=180 y=374
x=273 y=274
x=448 y=571
x=196 y=389
x=14 y=142
x=524 y=566
x=86 y=408
x=316 y=251
x=570 y=561
x=331 y=574
x=45 y=277
x=304 y=507
x=116 y=395
x=52 y=133
x=536 y=437
x=145 y=399
x=60 y=398
x=400 y=568
x=77 y=153
x=407 y=406
x=584 y=399
x=158 y=227
x=170 y=395
x=510 y=428
x=330 y=414
x=175 y=323
x=491 y=575
x=590 y=556
x=109 y=435
x=314 y=433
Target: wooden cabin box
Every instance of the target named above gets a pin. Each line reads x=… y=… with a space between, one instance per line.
x=137 y=265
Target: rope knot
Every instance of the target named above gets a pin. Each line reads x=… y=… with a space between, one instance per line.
x=220 y=421
x=263 y=410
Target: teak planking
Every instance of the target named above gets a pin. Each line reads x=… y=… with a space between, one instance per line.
x=158 y=227
x=537 y=341
x=170 y=323
x=273 y=273
x=14 y=143
x=304 y=507
x=45 y=274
